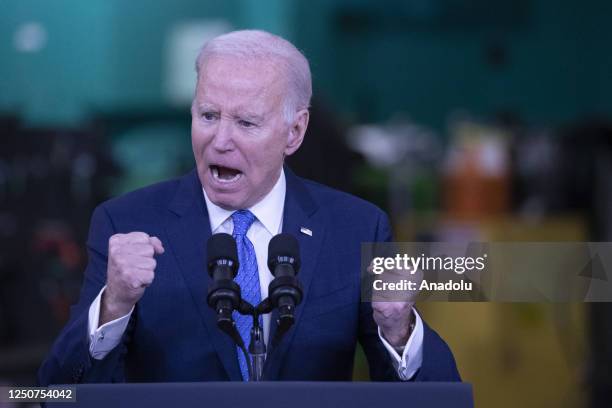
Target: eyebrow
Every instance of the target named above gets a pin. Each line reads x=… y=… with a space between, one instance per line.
x=251 y=116
x=204 y=106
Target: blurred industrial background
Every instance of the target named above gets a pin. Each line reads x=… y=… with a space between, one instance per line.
x=464 y=119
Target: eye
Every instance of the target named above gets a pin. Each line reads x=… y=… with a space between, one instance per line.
x=209 y=116
x=246 y=124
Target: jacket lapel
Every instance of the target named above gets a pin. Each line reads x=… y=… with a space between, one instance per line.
x=188 y=232
x=300 y=212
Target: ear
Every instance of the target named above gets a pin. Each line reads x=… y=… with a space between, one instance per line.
x=297 y=131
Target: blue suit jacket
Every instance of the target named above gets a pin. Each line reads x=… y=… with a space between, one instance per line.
x=172 y=335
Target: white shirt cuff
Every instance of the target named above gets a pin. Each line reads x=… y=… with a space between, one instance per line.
x=102 y=340
x=412 y=356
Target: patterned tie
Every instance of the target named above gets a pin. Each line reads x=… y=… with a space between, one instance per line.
x=247 y=278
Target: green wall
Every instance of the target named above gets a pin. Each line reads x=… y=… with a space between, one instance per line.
x=558 y=65
x=107 y=54
x=100 y=54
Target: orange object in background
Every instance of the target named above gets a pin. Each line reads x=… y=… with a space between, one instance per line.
x=476 y=180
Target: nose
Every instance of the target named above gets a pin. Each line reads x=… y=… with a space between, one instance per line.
x=223 y=139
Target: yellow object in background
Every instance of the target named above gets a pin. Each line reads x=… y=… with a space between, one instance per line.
x=518 y=354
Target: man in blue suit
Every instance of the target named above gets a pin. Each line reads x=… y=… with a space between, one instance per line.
x=142 y=314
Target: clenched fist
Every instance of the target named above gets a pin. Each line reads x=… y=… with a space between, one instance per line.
x=392 y=311
x=394 y=320
x=131 y=268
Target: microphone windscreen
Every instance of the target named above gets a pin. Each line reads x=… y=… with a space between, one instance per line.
x=221 y=246
x=283 y=246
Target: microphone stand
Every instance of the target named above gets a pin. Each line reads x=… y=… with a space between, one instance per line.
x=257 y=349
x=257 y=346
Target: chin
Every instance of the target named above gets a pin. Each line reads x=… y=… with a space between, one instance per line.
x=226 y=201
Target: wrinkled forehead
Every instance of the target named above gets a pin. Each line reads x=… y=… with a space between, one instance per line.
x=242 y=75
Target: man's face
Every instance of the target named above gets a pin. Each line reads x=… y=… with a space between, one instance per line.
x=238 y=133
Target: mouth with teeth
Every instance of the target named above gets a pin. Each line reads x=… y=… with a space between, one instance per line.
x=225 y=175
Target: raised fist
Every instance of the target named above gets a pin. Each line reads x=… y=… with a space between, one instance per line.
x=131 y=268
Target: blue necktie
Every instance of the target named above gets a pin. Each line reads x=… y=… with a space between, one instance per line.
x=247 y=278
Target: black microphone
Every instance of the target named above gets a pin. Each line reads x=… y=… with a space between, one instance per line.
x=222 y=262
x=224 y=294
x=285 y=291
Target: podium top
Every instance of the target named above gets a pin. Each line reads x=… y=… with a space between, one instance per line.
x=274 y=394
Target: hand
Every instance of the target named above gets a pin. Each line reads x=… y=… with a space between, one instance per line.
x=394 y=320
x=131 y=268
x=393 y=311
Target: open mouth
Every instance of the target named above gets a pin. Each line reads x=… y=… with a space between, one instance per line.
x=225 y=174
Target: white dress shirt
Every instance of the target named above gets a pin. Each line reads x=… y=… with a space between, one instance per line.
x=268 y=223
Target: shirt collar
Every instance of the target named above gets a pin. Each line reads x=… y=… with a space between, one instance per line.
x=269 y=210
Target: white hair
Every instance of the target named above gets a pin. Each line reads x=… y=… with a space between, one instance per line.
x=257 y=44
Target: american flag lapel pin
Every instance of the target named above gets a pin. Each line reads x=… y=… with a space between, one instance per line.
x=306 y=231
